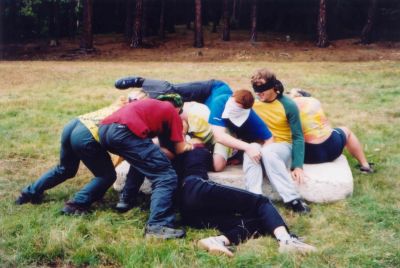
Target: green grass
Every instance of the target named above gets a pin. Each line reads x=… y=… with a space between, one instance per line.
x=38 y=98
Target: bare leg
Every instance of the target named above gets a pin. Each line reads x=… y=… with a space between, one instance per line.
x=219 y=162
x=354 y=147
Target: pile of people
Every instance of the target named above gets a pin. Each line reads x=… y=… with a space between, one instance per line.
x=199 y=126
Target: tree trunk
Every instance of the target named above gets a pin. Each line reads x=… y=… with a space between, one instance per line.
x=128 y=19
x=225 y=17
x=161 y=30
x=215 y=16
x=170 y=16
x=137 y=29
x=253 y=17
x=72 y=19
x=234 y=20
x=87 y=34
x=2 y=30
x=322 y=35
x=198 y=28
x=366 y=34
x=54 y=26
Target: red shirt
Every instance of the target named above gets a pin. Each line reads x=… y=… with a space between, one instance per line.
x=149 y=118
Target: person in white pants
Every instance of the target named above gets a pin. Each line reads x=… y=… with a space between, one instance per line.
x=283 y=160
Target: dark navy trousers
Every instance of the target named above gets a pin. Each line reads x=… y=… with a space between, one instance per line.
x=237 y=213
x=197 y=91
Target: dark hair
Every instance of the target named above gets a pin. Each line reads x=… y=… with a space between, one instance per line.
x=279 y=88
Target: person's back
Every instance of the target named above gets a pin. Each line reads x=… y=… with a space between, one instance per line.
x=315 y=125
x=322 y=142
x=148 y=118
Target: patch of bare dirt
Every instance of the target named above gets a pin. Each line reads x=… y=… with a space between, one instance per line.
x=179 y=47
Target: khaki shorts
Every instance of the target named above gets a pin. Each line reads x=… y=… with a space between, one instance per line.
x=223 y=151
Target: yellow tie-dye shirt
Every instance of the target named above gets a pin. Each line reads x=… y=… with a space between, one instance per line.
x=92 y=120
x=199 y=127
x=314 y=123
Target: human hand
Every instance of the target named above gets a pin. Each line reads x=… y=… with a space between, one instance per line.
x=254 y=153
x=298 y=175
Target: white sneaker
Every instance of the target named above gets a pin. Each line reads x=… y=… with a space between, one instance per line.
x=215 y=246
x=293 y=244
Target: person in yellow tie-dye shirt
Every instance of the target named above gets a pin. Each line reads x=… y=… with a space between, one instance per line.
x=196 y=116
x=79 y=142
x=322 y=142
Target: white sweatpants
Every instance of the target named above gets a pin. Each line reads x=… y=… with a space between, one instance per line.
x=276 y=158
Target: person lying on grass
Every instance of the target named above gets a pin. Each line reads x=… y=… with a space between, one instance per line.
x=238 y=214
x=215 y=95
x=322 y=142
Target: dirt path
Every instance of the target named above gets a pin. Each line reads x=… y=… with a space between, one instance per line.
x=178 y=47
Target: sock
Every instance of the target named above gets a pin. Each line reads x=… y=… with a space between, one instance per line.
x=282 y=236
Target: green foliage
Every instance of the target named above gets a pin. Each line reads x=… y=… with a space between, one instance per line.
x=39 y=98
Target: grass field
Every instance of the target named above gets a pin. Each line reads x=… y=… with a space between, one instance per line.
x=38 y=98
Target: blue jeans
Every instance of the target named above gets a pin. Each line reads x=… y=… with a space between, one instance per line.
x=77 y=143
x=147 y=159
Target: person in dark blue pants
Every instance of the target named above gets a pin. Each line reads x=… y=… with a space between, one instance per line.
x=128 y=132
x=237 y=213
x=77 y=144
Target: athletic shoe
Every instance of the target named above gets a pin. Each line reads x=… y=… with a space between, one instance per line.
x=299 y=206
x=72 y=208
x=24 y=198
x=293 y=244
x=125 y=203
x=163 y=232
x=215 y=246
x=127 y=82
x=367 y=170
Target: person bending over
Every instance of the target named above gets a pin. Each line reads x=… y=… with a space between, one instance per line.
x=79 y=142
x=322 y=142
x=128 y=132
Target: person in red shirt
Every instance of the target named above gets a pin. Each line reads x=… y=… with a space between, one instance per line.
x=128 y=132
